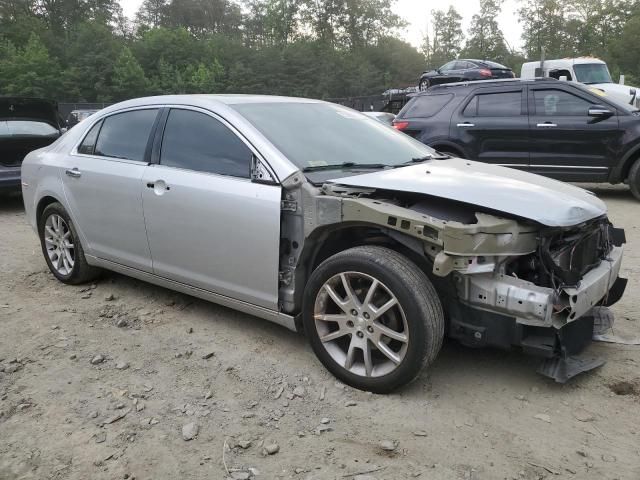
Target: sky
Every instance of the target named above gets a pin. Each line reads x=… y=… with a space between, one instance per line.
x=418 y=14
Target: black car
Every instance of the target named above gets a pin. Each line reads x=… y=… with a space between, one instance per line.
x=26 y=124
x=559 y=129
x=76 y=116
x=463 y=70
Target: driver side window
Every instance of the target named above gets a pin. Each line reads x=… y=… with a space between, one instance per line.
x=448 y=67
x=196 y=141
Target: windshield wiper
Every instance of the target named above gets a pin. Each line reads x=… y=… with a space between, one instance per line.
x=339 y=166
x=426 y=158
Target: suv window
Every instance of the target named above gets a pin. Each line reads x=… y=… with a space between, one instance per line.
x=559 y=102
x=502 y=104
x=89 y=142
x=425 y=106
x=125 y=135
x=197 y=141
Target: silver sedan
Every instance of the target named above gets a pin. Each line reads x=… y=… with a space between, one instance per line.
x=323 y=220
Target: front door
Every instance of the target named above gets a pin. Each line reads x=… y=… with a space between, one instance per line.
x=103 y=187
x=492 y=126
x=567 y=143
x=208 y=224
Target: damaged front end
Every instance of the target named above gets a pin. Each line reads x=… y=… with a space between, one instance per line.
x=504 y=281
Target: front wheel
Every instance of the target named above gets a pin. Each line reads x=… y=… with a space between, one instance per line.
x=373 y=318
x=424 y=84
x=634 y=179
x=61 y=247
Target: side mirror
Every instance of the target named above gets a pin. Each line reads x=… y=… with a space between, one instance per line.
x=599 y=111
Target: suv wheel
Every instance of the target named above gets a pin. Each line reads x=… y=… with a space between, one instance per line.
x=634 y=179
x=373 y=318
x=424 y=84
x=61 y=247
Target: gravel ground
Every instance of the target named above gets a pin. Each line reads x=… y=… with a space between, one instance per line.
x=121 y=379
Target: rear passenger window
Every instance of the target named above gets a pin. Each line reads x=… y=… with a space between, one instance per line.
x=504 y=104
x=125 y=135
x=88 y=144
x=558 y=102
x=426 y=106
x=197 y=141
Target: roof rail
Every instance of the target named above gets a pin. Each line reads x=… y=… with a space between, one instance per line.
x=489 y=82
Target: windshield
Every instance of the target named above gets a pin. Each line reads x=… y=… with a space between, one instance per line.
x=9 y=128
x=318 y=135
x=592 y=73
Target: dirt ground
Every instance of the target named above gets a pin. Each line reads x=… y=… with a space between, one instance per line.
x=170 y=360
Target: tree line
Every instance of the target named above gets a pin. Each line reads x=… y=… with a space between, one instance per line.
x=87 y=50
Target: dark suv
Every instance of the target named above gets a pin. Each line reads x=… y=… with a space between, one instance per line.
x=563 y=130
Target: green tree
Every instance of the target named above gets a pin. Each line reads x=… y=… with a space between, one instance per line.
x=446 y=39
x=29 y=71
x=544 y=25
x=485 y=39
x=128 y=79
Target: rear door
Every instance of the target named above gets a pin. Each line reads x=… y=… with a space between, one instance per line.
x=103 y=186
x=209 y=224
x=492 y=126
x=567 y=143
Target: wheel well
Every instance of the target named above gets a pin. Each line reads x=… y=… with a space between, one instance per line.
x=42 y=204
x=327 y=242
x=628 y=164
x=446 y=148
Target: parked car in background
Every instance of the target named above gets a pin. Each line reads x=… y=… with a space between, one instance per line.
x=383 y=117
x=26 y=124
x=462 y=70
x=76 y=116
x=562 y=130
x=588 y=70
x=316 y=217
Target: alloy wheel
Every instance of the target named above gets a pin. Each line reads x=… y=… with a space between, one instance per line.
x=59 y=244
x=361 y=324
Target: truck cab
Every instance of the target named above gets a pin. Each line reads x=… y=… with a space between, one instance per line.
x=588 y=70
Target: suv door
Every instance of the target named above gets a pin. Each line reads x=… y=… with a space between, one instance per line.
x=567 y=143
x=103 y=187
x=492 y=126
x=209 y=225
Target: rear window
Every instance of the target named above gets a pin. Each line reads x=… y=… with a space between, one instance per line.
x=27 y=128
x=495 y=65
x=425 y=106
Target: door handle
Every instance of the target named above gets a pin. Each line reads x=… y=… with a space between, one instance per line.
x=158 y=186
x=466 y=124
x=546 y=125
x=73 y=172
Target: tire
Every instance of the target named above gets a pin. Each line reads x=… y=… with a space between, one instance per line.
x=72 y=268
x=424 y=84
x=418 y=308
x=634 y=179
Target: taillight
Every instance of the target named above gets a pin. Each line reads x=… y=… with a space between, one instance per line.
x=400 y=125
x=485 y=72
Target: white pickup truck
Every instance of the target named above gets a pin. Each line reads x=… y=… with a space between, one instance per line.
x=588 y=70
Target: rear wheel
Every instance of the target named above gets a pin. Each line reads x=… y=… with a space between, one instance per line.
x=634 y=179
x=61 y=247
x=373 y=318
